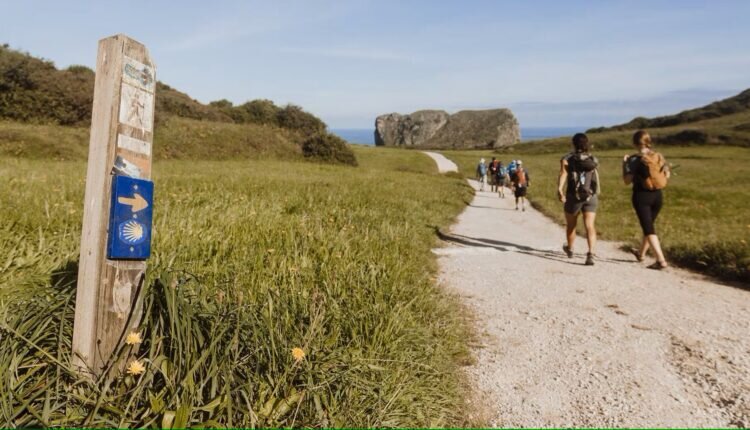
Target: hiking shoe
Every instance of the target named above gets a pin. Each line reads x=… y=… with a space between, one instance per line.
x=589 y=259
x=568 y=251
x=524 y=209
x=658 y=266
x=516 y=207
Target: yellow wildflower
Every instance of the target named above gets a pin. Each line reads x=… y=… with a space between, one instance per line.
x=133 y=338
x=136 y=368
x=298 y=354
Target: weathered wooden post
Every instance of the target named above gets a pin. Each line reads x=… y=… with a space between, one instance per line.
x=116 y=234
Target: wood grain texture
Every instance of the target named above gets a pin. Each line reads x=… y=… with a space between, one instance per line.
x=106 y=290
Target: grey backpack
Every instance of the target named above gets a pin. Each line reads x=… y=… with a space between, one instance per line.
x=582 y=170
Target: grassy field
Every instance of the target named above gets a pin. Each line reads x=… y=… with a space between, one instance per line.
x=705 y=223
x=251 y=259
x=176 y=138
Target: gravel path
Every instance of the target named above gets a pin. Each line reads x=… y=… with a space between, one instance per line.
x=444 y=165
x=616 y=344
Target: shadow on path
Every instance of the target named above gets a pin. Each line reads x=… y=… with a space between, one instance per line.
x=514 y=247
x=502 y=246
x=490 y=207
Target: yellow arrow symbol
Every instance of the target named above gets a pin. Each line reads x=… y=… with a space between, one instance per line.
x=137 y=202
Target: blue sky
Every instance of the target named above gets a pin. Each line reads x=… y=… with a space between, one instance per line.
x=555 y=63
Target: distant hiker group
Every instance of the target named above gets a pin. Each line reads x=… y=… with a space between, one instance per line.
x=513 y=176
x=579 y=188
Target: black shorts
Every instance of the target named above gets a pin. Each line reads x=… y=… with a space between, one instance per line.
x=520 y=191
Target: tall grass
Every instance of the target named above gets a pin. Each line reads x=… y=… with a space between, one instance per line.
x=704 y=224
x=250 y=260
x=176 y=138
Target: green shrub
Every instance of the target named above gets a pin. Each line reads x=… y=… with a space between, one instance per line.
x=33 y=90
x=328 y=148
x=170 y=102
x=256 y=111
x=295 y=118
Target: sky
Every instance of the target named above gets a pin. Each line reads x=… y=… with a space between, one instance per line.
x=554 y=63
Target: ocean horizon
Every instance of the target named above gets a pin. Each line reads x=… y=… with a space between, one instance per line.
x=366 y=136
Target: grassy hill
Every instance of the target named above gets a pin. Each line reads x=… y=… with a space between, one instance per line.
x=706 y=129
x=729 y=106
x=33 y=91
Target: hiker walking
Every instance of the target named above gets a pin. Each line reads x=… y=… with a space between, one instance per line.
x=482 y=174
x=502 y=179
x=512 y=167
x=521 y=181
x=648 y=171
x=578 y=188
x=493 y=174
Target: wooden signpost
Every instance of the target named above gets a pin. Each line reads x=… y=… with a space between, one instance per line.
x=118 y=203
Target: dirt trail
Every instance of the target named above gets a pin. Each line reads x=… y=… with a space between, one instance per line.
x=444 y=165
x=615 y=344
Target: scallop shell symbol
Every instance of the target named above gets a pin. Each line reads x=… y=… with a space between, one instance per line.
x=132 y=232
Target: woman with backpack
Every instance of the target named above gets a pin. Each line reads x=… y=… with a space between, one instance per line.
x=648 y=171
x=578 y=171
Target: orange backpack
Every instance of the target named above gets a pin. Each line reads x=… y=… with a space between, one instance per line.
x=656 y=167
x=520 y=177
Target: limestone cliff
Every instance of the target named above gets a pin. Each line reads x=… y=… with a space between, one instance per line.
x=490 y=128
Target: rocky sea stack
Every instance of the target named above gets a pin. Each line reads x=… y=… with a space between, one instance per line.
x=491 y=128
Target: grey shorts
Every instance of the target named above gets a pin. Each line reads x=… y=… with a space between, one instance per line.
x=573 y=206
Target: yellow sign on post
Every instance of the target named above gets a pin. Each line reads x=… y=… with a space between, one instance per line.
x=108 y=298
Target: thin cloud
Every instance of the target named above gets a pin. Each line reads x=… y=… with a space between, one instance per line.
x=218 y=32
x=350 y=54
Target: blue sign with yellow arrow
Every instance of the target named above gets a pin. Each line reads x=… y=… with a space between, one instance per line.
x=130 y=219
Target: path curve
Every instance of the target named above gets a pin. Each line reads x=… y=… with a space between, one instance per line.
x=444 y=165
x=616 y=344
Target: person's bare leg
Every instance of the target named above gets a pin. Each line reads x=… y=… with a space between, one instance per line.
x=588 y=222
x=653 y=240
x=644 y=247
x=570 y=230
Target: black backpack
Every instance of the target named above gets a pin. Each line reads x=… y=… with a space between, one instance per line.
x=582 y=171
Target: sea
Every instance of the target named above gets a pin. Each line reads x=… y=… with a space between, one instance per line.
x=366 y=136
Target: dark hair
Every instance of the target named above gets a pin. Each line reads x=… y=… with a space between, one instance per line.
x=581 y=143
x=642 y=139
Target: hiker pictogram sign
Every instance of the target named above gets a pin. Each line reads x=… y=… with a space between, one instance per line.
x=130 y=219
